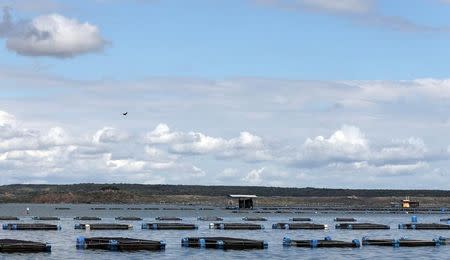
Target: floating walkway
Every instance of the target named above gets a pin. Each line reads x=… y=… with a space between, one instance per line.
x=301 y=219
x=210 y=219
x=223 y=243
x=33 y=226
x=119 y=244
x=361 y=226
x=46 y=218
x=169 y=226
x=8 y=218
x=298 y=226
x=168 y=219
x=129 y=218
x=254 y=219
x=345 y=219
x=103 y=226
x=326 y=242
x=23 y=246
x=235 y=226
x=423 y=226
x=402 y=242
x=87 y=218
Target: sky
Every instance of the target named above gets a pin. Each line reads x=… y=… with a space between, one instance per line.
x=292 y=93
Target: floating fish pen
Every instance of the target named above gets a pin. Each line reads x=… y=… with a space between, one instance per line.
x=235 y=226
x=327 y=242
x=8 y=218
x=187 y=209
x=98 y=208
x=119 y=244
x=361 y=226
x=262 y=212
x=254 y=219
x=23 y=246
x=103 y=226
x=170 y=209
x=401 y=242
x=33 y=226
x=445 y=219
x=210 y=219
x=423 y=226
x=129 y=218
x=301 y=219
x=169 y=226
x=298 y=226
x=205 y=209
x=62 y=208
x=46 y=218
x=151 y=208
x=345 y=220
x=168 y=219
x=283 y=212
x=223 y=243
x=134 y=208
x=87 y=218
x=115 y=208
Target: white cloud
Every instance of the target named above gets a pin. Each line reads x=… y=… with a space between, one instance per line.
x=51 y=35
x=109 y=135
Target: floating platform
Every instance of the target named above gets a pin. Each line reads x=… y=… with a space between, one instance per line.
x=168 y=219
x=445 y=219
x=134 y=208
x=62 y=208
x=104 y=226
x=345 y=219
x=301 y=219
x=298 y=226
x=46 y=218
x=361 y=226
x=210 y=219
x=98 y=208
x=169 y=226
x=235 y=226
x=119 y=244
x=115 y=208
x=423 y=226
x=23 y=246
x=402 y=242
x=327 y=242
x=32 y=226
x=8 y=218
x=223 y=243
x=129 y=218
x=254 y=219
x=87 y=218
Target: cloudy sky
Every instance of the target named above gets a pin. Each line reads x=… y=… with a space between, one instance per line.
x=317 y=93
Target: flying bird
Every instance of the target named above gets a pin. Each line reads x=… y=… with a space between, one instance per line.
x=126 y=113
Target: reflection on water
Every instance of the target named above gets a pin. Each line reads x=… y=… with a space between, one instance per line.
x=63 y=241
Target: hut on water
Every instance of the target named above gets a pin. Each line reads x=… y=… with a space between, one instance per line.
x=244 y=201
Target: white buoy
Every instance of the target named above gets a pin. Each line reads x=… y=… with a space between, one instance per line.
x=28 y=210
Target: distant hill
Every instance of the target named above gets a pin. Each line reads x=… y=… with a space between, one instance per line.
x=139 y=193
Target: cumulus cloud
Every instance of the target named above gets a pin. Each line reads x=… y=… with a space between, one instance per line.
x=109 y=135
x=50 y=35
x=246 y=145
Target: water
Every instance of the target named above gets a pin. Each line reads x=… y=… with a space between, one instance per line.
x=63 y=241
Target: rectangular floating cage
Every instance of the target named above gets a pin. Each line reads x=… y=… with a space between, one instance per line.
x=119 y=244
x=104 y=226
x=168 y=219
x=254 y=219
x=9 y=218
x=169 y=226
x=46 y=218
x=30 y=226
x=361 y=226
x=402 y=242
x=236 y=226
x=223 y=243
x=129 y=218
x=87 y=218
x=301 y=219
x=298 y=226
x=327 y=242
x=345 y=220
x=424 y=226
x=23 y=246
x=210 y=219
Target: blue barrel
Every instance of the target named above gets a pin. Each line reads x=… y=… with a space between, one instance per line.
x=414 y=219
x=220 y=244
x=185 y=242
x=5 y=226
x=356 y=242
x=154 y=226
x=48 y=248
x=14 y=227
x=327 y=238
x=265 y=244
x=314 y=243
x=144 y=226
x=286 y=241
x=162 y=244
x=113 y=245
x=81 y=243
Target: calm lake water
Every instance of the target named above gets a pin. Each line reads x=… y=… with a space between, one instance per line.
x=63 y=241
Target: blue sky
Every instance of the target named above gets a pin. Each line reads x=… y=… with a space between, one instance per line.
x=350 y=93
